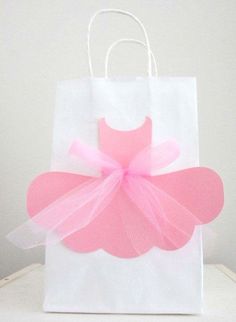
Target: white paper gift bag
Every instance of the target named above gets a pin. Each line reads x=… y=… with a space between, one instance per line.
x=120 y=213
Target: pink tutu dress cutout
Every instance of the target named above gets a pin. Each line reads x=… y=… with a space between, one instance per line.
x=126 y=211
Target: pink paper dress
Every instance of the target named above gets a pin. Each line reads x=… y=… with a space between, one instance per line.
x=126 y=211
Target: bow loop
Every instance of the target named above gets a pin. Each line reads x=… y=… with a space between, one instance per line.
x=93 y=157
x=153 y=158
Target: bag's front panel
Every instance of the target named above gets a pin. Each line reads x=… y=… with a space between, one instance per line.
x=158 y=281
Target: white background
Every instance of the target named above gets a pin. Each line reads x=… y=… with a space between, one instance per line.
x=45 y=41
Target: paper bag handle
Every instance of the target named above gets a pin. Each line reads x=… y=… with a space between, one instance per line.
x=122 y=12
x=128 y=40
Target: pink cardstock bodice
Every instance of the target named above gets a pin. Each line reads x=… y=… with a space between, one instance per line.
x=124 y=145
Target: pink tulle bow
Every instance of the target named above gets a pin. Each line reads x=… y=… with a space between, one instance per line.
x=171 y=204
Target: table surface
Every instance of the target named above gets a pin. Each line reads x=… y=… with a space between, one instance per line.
x=21 y=297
